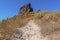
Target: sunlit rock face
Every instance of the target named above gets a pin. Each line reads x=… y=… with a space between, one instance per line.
x=30 y=31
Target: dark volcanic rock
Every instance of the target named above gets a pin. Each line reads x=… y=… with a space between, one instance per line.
x=26 y=9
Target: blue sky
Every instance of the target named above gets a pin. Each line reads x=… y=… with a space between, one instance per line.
x=9 y=8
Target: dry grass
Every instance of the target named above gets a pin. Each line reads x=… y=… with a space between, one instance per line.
x=46 y=20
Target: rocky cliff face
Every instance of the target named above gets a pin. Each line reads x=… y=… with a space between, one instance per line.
x=28 y=25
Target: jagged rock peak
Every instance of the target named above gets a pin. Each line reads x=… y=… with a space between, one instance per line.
x=25 y=9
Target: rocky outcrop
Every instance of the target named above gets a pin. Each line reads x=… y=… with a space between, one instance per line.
x=24 y=10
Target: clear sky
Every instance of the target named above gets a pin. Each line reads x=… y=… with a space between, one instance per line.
x=9 y=8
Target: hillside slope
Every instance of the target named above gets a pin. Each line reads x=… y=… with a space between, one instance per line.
x=27 y=25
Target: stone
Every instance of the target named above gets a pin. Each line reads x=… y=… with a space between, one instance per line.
x=26 y=9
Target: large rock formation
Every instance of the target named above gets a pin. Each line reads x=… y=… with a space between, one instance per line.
x=42 y=25
x=24 y=10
